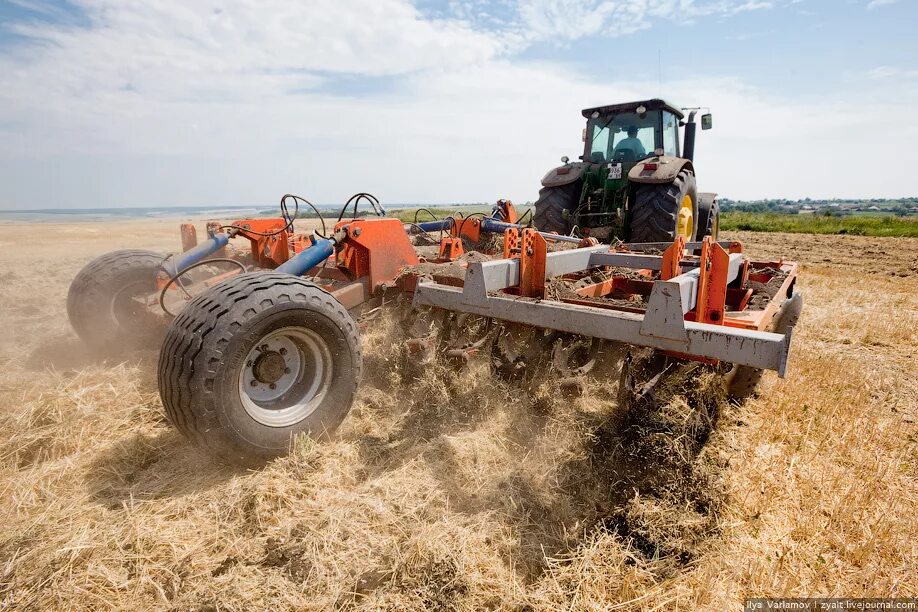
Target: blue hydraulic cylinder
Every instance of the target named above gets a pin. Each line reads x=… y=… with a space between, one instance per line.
x=434 y=226
x=494 y=226
x=198 y=253
x=491 y=226
x=308 y=258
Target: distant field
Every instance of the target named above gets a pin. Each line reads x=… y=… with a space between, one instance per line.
x=858 y=225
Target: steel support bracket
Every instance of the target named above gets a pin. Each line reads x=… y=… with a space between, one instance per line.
x=533 y=252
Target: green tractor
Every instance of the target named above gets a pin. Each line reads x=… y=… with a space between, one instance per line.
x=634 y=181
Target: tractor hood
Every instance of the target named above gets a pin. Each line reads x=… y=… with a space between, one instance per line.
x=563 y=175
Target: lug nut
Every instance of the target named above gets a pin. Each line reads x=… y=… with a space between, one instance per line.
x=248 y=363
x=273 y=386
x=286 y=370
x=283 y=351
x=263 y=348
x=254 y=383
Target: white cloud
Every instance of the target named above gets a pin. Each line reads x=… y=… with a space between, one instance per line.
x=556 y=20
x=891 y=72
x=878 y=3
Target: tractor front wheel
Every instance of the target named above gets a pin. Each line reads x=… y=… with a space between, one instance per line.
x=662 y=211
x=256 y=360
x=103 y=305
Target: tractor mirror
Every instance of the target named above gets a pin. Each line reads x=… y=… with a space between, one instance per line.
x=707 y=121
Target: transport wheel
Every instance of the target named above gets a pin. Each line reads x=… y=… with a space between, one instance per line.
x=549 y=208
x=101 y=302
x=256 y=360
x=708 y=219
x=663 y=211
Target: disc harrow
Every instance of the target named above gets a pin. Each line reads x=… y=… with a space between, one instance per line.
x=267 y=347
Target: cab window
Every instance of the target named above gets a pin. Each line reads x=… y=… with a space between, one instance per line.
x=670 y=134
x=626 y=137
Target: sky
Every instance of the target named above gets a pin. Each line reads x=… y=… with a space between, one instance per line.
x=109 y=103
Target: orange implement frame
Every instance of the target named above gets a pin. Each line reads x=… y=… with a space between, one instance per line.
x=374 y=248
x=189 y=236
x=508 y=211
x=511 y=243
x=450 y=249
x=533 y=252
x=267 y=251
x=714 y=264
x=672 y=259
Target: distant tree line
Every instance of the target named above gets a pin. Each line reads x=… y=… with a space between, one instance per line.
x=827 y=207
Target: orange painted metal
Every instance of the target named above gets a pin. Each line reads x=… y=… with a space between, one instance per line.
x=377 y=248
x=714 y=264
x=760 y=319
x=450 y=248
x=470 y=228
x=300 y=242
x=267 y=251
x=624 y=286
x=353 y=294
x=508 y=211
x=533 y=253
x=511 y=243
x=189 y=236
x=672 y=258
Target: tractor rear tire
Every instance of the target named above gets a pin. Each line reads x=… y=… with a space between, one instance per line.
x=655 y=213
x=549 y=208
x=101 y=305
x=257 y=360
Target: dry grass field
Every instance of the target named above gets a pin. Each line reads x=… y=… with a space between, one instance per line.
x=449 y=489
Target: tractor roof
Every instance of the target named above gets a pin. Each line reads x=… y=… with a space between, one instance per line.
x=629 y=107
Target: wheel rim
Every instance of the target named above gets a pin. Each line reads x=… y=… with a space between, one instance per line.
x=285 y=376
x=685 y=219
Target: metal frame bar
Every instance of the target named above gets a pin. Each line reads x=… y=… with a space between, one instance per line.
x=663 y=324
x=746 y=347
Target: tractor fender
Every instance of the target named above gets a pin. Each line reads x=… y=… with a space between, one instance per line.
x=563 y=175
x=706 y=198
x=668 y=167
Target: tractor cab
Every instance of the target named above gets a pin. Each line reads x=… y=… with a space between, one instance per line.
x=631 y=132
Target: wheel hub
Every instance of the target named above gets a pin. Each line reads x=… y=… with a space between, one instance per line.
x=285 y=376
x=269 y=367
